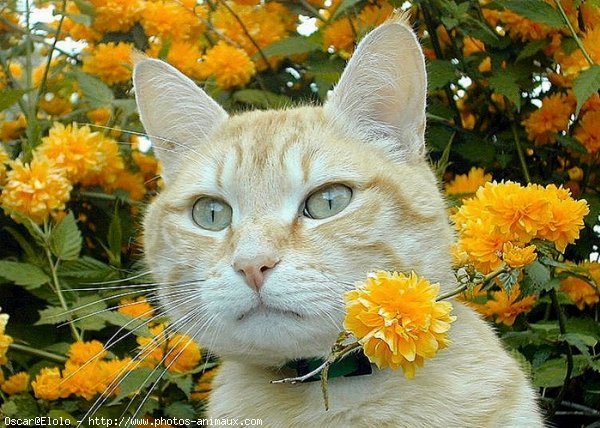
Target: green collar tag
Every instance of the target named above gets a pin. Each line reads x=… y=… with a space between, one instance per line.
x=355 y=364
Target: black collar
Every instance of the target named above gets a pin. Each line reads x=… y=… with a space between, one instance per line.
x=354 y=364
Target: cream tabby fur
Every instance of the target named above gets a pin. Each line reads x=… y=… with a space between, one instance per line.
x=369 y=136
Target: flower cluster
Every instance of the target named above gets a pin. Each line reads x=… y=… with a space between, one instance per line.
x=583 y=292
x=179 y=353
x=69 y=156
x=503 y=213
x=397 y=320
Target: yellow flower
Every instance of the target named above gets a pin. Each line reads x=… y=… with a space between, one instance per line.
x=204 y=385
x=505 y=307
x=483 y=242
x=183 y=354
x=55 y=105
x=100 y=116
x=517 y=257
x=551 y=118
x=82 y=352
x=4 y=160
x=73 y=149
x=183 y=55
x=149 y=166
x=12 y=129
x=468 y=183
x=5 y=340
x=231 y=66
x=83 y=380
x=115 y=15
x=111 y=165
x=47 y=384
x=173 y=20
x=139 y=308
x=16 y=384
x=35 y=190
x=109 y=61
x=588 y=131
x=397 y=320
x=575 y=173
x=580 y=292
x=472 y=45
x=573 y=63
x=517 y=26
x=566 y=220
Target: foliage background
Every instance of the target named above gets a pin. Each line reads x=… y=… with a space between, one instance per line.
x=513 y=90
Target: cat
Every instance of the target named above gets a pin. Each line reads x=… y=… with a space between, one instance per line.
x=268 y=217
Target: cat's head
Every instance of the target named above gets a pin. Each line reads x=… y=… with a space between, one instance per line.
x=268 y=217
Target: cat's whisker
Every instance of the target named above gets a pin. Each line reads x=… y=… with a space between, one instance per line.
x=167 y=366
x=123 y=373
x=115 y=281
x=151 y=298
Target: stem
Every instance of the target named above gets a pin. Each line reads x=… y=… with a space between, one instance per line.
x=57 y=289
x=513 y=127
x=329 y=361
x=37 y=352
x=32 y=128
x=573 y=32
x=106 y=197
x=50 y=52
x=562 y=321
x=484 y=280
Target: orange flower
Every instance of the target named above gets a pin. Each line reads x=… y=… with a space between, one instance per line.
x=580 y=292
x=115 y=15
x=505 y=307
x=184 y=56
x=517 y=257
x=16 y=384
x=173 y=20
x=182 y=353
x=12 y=129
x=109 y=61
x=82 y=352
x=231 y=66
x=100 y=116
x=4 y=160
x=588 y=131
x=551 y=118
x=73 y=149
x=397 y=320
x=472 y=45
x=139 y=308
x=35 y=190
x=468 y=183
x=204 y=385
x=47 y=384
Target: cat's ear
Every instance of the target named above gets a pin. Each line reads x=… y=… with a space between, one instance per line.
x=381 y=95
x=176 y=113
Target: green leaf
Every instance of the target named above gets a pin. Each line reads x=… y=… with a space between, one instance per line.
x=65 y=239
x=344 y=5
x=63 y=416
x=184 y=383
x=10 y=96
x=259 y=98
x=180 y=410
x=32 y=253
x=85 y=7
x=136 y=380
x=53 y=315
x=504 y=83
x=25 y=274
x=87 y=269
x=440 y=73
x=536 y=10
x=22 y=406
x=540 y=277
x=551 y=374
x=586 y=85
x=594 y=203
x=581 y=341
x=115 y=237
x=532 y=48
x=94 y=90
x=289 y=46
x=523 y=362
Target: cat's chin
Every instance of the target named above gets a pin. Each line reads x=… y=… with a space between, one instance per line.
x=270 y=338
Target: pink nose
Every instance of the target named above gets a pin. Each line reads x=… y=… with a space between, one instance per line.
x=254 y=269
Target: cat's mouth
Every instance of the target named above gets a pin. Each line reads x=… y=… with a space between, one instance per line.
x=263 y=309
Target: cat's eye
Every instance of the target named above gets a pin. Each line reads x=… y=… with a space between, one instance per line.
x=211 y=214
x=327 y=201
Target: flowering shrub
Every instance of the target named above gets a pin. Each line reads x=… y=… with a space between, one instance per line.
x=514 y=132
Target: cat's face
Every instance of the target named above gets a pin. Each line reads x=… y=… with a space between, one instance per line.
x=267 y=218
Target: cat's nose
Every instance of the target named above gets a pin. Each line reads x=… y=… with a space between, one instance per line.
x=254 y=269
